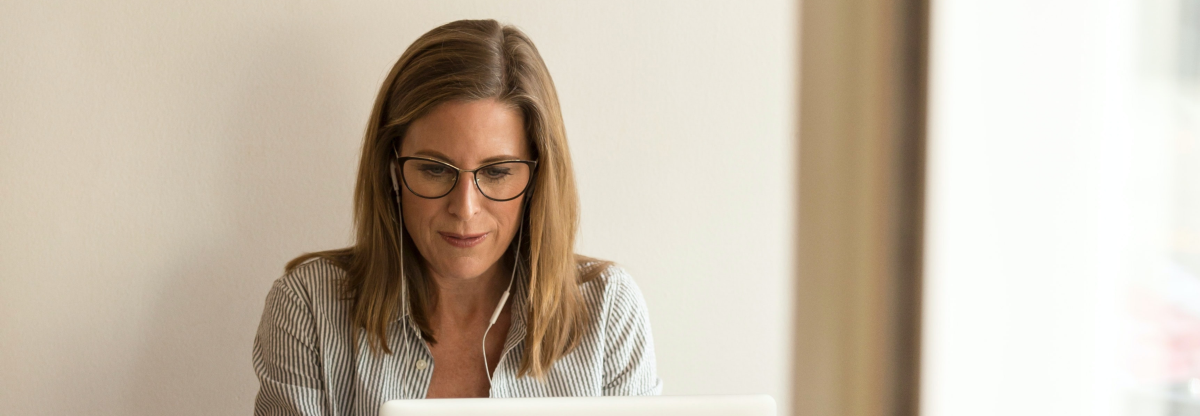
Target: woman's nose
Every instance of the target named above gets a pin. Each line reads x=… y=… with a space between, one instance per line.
x=465 y=198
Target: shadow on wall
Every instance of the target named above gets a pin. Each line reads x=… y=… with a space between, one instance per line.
x=279 y=165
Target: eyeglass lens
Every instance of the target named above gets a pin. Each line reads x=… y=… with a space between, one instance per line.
x=500 y=181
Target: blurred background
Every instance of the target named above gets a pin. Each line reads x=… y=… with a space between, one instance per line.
x=859 y=207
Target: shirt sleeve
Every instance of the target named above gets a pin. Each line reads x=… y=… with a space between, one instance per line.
x=286 y=360
x=629 y=367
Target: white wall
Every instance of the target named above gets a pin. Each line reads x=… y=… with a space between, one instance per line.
x=161 y=161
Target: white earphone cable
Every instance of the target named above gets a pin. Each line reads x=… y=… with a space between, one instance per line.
x=503 y=298
x=400 y=223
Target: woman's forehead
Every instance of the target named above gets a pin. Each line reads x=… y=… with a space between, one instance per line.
x=464 y=132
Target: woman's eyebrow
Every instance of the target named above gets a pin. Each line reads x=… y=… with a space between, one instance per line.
x=444 y=158
x=500 y=158
x=435 y=155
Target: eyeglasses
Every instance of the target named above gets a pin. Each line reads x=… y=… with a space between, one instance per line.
x=498 y=181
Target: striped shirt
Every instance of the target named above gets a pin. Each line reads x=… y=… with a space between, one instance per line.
x=307 y=365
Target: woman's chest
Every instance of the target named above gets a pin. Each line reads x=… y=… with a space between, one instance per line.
x=460 y=366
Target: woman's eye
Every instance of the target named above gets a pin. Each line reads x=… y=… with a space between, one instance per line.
x=496 y=172
x=433 y=169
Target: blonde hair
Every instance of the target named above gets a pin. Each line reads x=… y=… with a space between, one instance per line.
x=468 y=60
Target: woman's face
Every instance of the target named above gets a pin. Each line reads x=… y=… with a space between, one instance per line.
x=463 y=234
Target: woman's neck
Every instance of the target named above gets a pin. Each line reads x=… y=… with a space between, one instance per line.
x=465 y=302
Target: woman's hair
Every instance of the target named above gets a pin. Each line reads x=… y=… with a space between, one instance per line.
x=467 y=60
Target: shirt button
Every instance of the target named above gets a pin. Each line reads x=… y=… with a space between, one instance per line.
x=422 y=364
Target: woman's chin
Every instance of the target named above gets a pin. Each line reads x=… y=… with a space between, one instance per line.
x=462 y=268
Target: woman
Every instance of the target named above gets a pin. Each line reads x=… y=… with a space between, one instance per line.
x=463 y=281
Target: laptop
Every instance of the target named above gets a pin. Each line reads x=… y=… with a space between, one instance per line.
x=757 y=405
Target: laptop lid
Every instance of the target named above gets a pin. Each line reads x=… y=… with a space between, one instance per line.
x=756 y=405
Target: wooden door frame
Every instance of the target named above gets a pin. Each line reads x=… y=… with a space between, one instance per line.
x=861 y=168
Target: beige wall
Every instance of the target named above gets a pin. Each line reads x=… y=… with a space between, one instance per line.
x=160 y=162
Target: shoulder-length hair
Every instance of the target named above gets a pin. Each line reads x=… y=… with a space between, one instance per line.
x=467 y=60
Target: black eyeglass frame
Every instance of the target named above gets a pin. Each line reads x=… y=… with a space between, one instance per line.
x=474 y=176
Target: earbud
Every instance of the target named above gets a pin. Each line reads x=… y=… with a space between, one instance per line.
x=395 y=185
x=392 y=171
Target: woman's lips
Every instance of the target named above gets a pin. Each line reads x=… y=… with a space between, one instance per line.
x=463 y=240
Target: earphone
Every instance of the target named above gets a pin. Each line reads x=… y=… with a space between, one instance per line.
x=399 y=223
x=503 y=297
